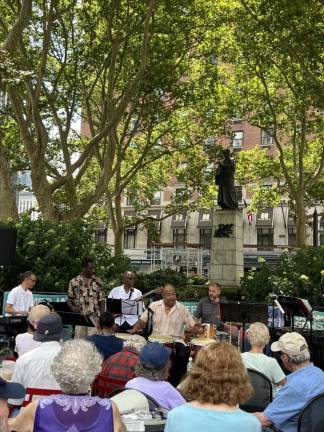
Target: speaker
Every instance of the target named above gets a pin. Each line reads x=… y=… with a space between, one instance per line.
x=8 y=238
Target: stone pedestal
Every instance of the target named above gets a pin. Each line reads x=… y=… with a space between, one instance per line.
x=226 y=263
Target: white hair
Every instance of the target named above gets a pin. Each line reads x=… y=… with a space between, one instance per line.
x=258 y=334
x=136 y=342
x=299 y=358
x=76 y=366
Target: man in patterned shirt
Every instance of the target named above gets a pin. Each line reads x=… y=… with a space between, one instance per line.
x=121 y=365
x=86 y=295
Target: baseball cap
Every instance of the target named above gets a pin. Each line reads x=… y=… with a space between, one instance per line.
x=36 y=313
x=49 y=328
x=9 y=390
x=290 y=343
x=155 y=355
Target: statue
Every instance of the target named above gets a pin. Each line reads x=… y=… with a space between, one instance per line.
x=225 y=182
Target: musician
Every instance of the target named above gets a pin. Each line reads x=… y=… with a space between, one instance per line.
x=126 y=292
x=169 y=317
x=208 y=308
x=86 y=295
x=20 y=299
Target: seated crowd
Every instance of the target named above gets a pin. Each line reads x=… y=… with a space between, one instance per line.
x=214 y=388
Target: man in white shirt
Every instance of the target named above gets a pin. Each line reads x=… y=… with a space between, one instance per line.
x=33 y=369
x=20 y=299
x=127 y=292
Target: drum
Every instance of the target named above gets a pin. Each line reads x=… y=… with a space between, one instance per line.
x=124 y=336
x=197 y=344
x=222 y=336
x=164 y=340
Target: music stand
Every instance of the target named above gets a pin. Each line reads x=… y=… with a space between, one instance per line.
x=69 y=317
x=244 y=313
x=294 y=306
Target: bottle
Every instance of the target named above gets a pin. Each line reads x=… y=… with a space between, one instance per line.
x=189 y=366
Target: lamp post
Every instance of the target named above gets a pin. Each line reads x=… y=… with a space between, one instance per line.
x=315 y=228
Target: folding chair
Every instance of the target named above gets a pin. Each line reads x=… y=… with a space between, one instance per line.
x=31 y=392
x=103 y=386
x=311 y=417
x=262 y=392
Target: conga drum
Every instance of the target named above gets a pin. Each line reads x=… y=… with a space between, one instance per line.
x=124 y=336
x=167 y=341
x=197 y=344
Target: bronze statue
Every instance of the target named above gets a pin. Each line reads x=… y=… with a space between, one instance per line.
x=225 y=182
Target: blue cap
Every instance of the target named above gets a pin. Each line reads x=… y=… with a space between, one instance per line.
x=154 y=355
x=9 y=390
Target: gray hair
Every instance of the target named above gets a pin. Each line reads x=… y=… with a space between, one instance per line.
x=299 y=358
x=76 y=366
x=152 y=374
x=258 y=334
x=136 y=342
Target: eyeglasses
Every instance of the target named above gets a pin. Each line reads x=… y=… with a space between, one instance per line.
x=33 y=280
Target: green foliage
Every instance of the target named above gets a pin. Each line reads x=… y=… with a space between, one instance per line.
x=300 y=274
x=148 y=281
x=54 y=252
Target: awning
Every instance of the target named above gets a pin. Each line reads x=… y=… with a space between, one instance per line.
x=179 y=220
x=264 y=218
x=156 y=214
x=205 y=219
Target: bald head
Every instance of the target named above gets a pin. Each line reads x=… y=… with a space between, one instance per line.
x=169 y=295
x=128 y=279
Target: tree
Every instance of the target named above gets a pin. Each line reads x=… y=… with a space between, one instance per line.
x=275 y=77
x=118 y=63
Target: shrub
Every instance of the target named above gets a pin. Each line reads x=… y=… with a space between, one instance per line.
x=54 y=252
x=300 y=275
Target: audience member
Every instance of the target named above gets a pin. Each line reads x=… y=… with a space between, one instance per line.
x=8 y=390
x=151 y=371
x=258 y=337
x=105 y=341
x=121 y=365
x=303 y=383
x=33 y=369
x=25 y=341
x=74 y=368
x=216 y=384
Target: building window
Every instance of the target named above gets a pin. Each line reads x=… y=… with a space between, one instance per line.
x=236 y=120
x=237 y=139
x=101 y=235
x=239 y=194
x=205 y=236
x=266 y=137
x=157 y=198
x=130 y=238
x=265 y=238
x=179 y=235
x=292 y=238
x=321 y=232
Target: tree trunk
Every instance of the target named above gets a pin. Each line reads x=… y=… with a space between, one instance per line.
x=119 y=226
x=118 y=248
x=301 y=221
x=8 y=206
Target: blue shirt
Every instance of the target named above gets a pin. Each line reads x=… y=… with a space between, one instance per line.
x=187 y=418
x=302 y=385
x=106 y=345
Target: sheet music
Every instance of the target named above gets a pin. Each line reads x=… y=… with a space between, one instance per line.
x=131 y=307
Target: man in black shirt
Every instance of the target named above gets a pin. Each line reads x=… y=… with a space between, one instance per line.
x=208 y=309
